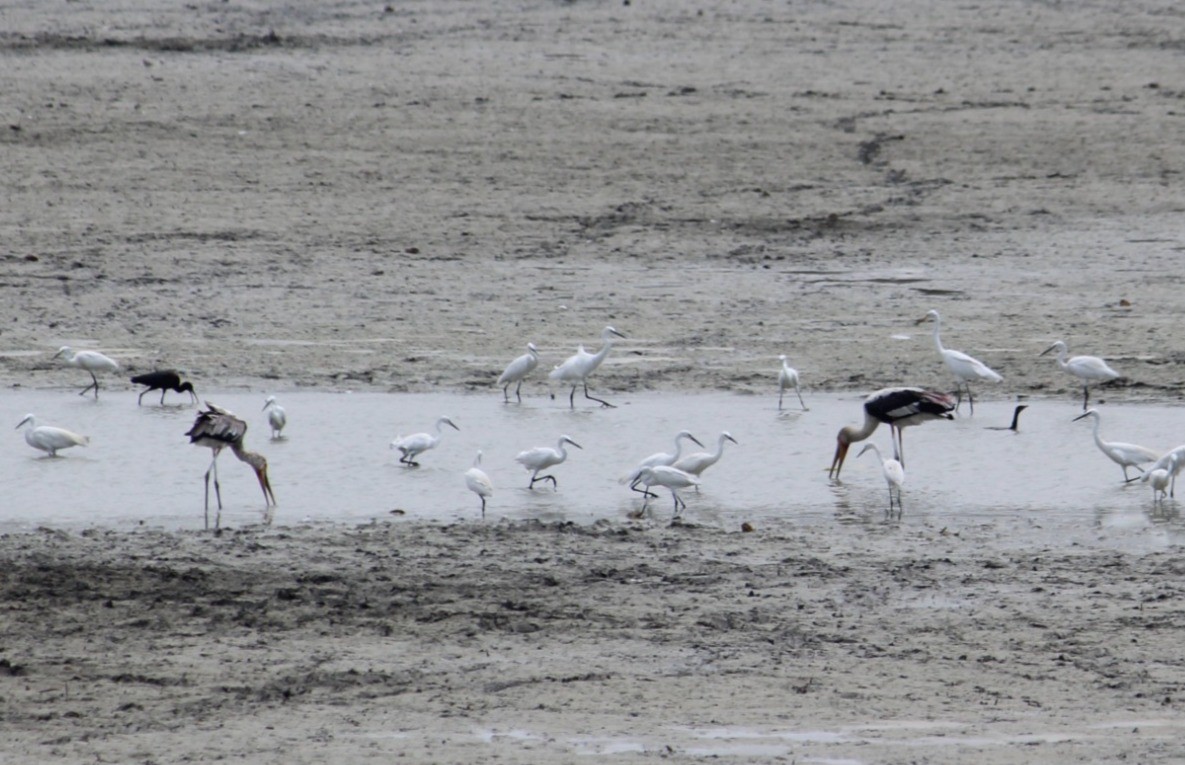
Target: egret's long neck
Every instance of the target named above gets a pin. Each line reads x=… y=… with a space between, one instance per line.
x=600 y=355
x=937 y=329
x=719 y=448
x=1097 y=438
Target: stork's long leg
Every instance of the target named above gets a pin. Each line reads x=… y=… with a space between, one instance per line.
x=594 y=398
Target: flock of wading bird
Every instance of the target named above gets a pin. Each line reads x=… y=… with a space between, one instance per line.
x=900 y=407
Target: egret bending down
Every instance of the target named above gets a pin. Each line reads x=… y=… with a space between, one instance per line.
x=479 y=483
x=417 y=443
x=517 y=370
x=543 y=457
x=164 y=380
x=894 y=476
x=1088 y=369
x=965 y=368
x=660 y=458
x=217 y=429
x=672 y=478
x=898 y=408
x=788 y=378
x=48 y=438
x=1124 y=455
x=91 y=361
x=577 y=367
x=277 y=418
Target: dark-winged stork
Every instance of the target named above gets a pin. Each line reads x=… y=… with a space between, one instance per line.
x=91 y=361
x=898 y=408
x=1088 y=369
x=217 y=429
x=164 y=380
x=577 y=367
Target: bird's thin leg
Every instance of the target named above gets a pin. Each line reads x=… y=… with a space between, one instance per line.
x=1085 y=396
x=140 y=400
x=94 y=384
x=572 y=398
x=602 y=402
x=645 y=492
x=518 y=391
x=970 y=399
x=483 y=507
x=800 y=401
x=162 y=396
x=679 y=504
x=781 y=391
x=506 y=393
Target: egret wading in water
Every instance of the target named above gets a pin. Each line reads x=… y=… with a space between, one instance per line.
x=660 y=458
x=1172 y=461
x=670 y=477
x=894 y=476
x=788 y=378
x=216 y=429
x=417 y=443
x=516 y=371
x=164 y=380
x=91 y=361
x=277 y=418
x=898 y=408
x=1159 y=479
x=479 y=483
x=1124 y=455
x=1088 y=369
x=577 y=367
x=965 y=369
x=697 y=462
x=49 y=439
x=543 y=457
x=1015 y=426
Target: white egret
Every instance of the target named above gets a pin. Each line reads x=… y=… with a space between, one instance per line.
x=217 y=429
x=48 y=438
x=788 y=378
x=898 y=408
x=697 y=462
x=1088 y=369
x=1015 y=426
x=659 y=458
x=415 y=444
x=91 y=361
x=965 y=369
x=479 y=483
x=1124 y=455
x=543 y=457
x=577 y=367
x=277 y=418
x=894 y=476
x=164 y=380
x=670 y=477
x=1159 y=479
x=517 y=370
x=1172 y=460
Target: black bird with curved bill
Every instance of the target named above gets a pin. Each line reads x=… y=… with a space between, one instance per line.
x=164 y=380
x=217 y=429
x=898 y=408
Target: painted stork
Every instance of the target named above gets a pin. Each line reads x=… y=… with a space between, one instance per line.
x=216 y=429
x=577 y=367
x=163 y=380
x=898 y=408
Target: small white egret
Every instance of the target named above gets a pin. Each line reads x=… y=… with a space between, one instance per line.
x=788 y=378
x=91 y=361
x=479 y=483
x=1124 y=455
x=277 y=418
x=898 y=408
x=894 y=476
x=1088 y=369
x=1159 y=479
x=164 y=380
x=415 y=444
x=670 y=477
x=217 y=429
x=543 y=457
x=965 y=369
x=1015 y=426
x=48 y=438
x=517 y=370
x=697 y=462
x=1172 y=460
x=577 y=367
x=660 y=458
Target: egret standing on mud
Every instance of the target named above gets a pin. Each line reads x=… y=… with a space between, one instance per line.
x=788 y=378
x=164 y=380
x=894 y=476
x=277 y=418
x=91 y=361
x=216 y=429
x=898 y=408
x=479 y=483
x=1124 y=455
x=415 y=444
x=577 y=367
x=543 y=457
x=965 y=368
x=517 y=370
x=48 y=438
x=1088 y=369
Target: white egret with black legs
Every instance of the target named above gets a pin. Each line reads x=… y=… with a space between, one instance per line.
x=277 y=418
x=543 y=457
x=1122 y=454
x=965 y=369
x=788 y=378
x=516 y=371
x=91 y=361
x=418 y=443
x=49 y=439
x=673 y=479
x=660 y=458
x=1088 y=369
x=697 y=462
x=576 y=368
x=894 y=475
x=479 y=483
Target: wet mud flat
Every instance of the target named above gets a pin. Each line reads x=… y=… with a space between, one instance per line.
x=527 y=640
